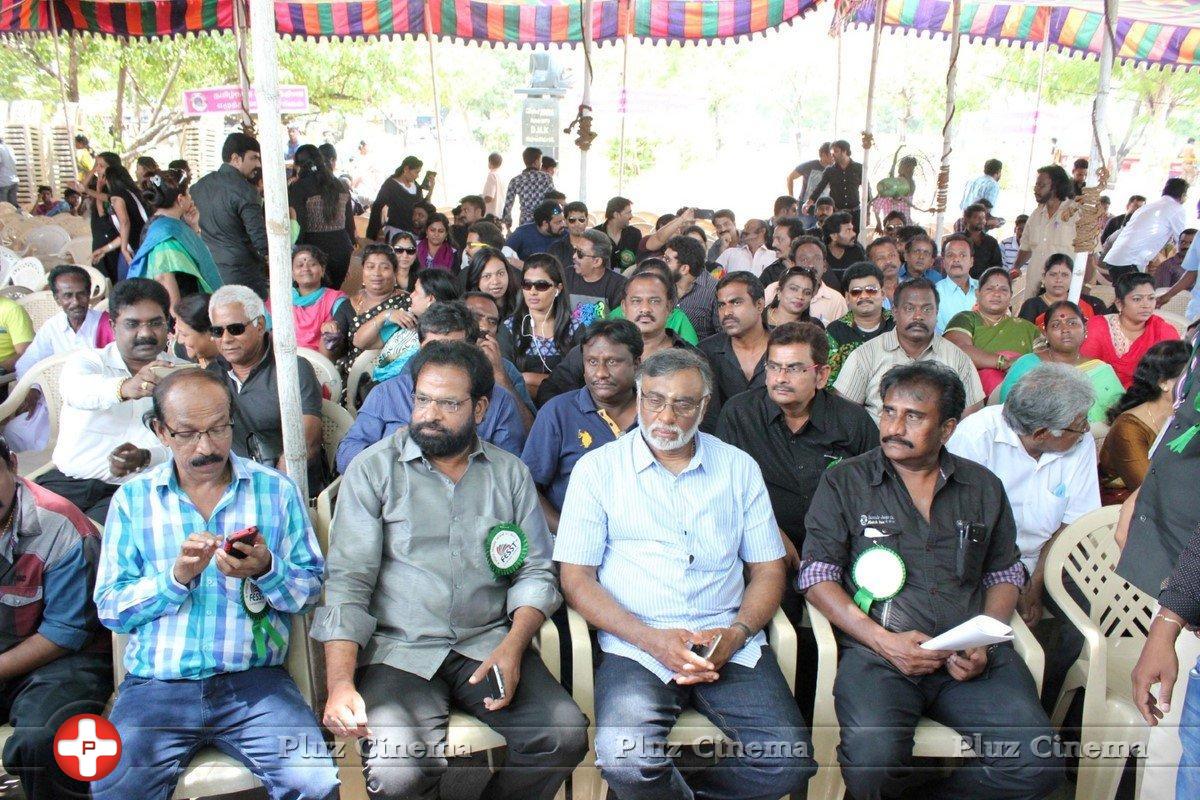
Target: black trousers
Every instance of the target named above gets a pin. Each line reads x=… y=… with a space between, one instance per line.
x=878 y=709
x=36 y=705
x=89 y=496
x=545 y=732
x=1116 y=271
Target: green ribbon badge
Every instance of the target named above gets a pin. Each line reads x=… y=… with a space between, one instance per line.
x=879 y=574
x=506 y=548
x=256 y=606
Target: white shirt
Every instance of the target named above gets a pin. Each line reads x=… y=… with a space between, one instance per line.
x=491 y=188
x=94 y=420
x=57 y=336
x=1045 y=494
x=1151 y=226
x=740 y=259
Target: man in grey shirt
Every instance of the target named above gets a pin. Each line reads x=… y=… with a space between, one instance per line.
x=232 y=220
x=439 y=569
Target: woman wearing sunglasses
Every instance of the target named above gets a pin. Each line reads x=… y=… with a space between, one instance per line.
x=488 y=271
x=792 y=301
x=404 y=245
x=542 y=326
x=382 y=297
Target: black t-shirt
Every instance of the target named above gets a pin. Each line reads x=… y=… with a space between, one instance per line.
x=985 y=255
x=625 y=249
x=586 y=298
x=852 y=255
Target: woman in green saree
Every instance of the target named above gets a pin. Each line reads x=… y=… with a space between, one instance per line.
x=990 y=336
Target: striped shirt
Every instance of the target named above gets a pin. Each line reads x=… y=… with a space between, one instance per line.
x=202 y=629
x=670 y=548
x=983 y=187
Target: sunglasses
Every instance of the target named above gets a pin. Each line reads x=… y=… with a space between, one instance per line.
x=234 y=328
x=580 y=254
x=408 y=250
x=859 y=291
x=537 y=286
x=577 y=219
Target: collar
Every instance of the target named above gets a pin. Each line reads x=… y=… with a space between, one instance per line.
x=24 y=520
x=880 y=465
x=972 y=285
x=1005 y=435
x=266 y=359
x=818 y=411
x=410 y=451
x=891 y=341
x=643 y=458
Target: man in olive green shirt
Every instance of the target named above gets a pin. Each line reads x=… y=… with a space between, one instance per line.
x=439 y=569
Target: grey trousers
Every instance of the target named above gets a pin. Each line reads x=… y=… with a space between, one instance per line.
x=545 y=732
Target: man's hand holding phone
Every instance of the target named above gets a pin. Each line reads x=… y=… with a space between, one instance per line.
x=244 y=555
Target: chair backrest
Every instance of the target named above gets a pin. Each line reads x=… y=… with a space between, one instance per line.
x=100 y=284
x=14 y=292
x=80 y=250
x=323 y=514
x=335 y=424
x=1178 y=320
x=46 y=241
x=8 y=258
x=40 y=306
x=360 y=370
x=47 y=375
x=28 y=272
x=1087 y=554
x=327 y=372
x=1018 y=290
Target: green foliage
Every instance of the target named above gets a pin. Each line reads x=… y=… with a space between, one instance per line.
x=641 y=153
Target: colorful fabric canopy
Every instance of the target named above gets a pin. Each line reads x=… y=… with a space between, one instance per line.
x=1158 y=32
x=515 y=22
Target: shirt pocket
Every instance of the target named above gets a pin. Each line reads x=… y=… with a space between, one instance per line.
x=714 y=538
x=24 y=608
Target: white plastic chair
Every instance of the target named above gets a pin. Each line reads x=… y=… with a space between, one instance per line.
x=40 y=306
x=335 y=424
x=100 y=284
x=692 y=729
x=1114 y=630
x=79 y=250
x=28 y=272
x=47 y=241
x=360 y=370
x=1178 y=320
x=931 y=739
x=47 y=376
x=327 y=373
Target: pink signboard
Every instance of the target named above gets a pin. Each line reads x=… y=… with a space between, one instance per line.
x=228 y=100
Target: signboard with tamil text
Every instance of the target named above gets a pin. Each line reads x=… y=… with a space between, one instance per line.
x=228 y=100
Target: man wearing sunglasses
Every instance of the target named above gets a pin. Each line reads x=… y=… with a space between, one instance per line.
x=576 y=214
x=866 y=318
x=595 y=289
x=101 y=441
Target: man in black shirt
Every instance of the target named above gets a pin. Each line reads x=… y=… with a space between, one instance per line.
x=866 y=319
x=941 y=545
x=985 y=250
x=787 y=231
x=841 y=244
x=843 y=179
x=594 y=288
x=736 y=354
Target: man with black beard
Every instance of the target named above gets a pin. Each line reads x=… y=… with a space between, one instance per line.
x=440 y=572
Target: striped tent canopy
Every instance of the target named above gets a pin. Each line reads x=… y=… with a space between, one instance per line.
x=1163 y=33
x=504 y=22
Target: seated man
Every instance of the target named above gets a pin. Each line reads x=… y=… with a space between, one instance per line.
x=575 y=423
x=655 y=533
x=547 y=227
x=16 y=332
x=945 y=527
x=77 y=327
x=246 y=363
x=208 y=617
x=56 y=660
x=415 y=622
x=867 y=318
x=1038 y=445
x=101 y=439
x=390 y=404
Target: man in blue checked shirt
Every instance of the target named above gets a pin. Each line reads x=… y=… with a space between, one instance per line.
x=655 y=532
x=208 y=618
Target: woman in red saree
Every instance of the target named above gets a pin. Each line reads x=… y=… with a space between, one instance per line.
x=1121 y=339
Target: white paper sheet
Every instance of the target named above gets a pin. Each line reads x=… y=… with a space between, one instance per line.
x=976 y=632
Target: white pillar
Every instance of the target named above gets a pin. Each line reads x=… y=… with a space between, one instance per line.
x=943 y=193
x=283 y=333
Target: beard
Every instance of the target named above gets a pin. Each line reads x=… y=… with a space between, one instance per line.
x=683 y=437
x=437 y=441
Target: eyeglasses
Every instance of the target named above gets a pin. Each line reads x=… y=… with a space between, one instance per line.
x=193 y=437
x=580 y=254
x=537 y=286
x=408 y=250
x=1087 y=428
x=577 y=220
x=655 y=403
x=421 y=402
x=791 y=370
x=859 y=291
x=234 y=328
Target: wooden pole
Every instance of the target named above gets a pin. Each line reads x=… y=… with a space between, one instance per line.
x=624 y=112
x=943 y=186
x=62 y=88
x=585 y=103
x=437 y=107
x=868 y=139
x=279 y=245
x=240 y=31
x=837 y=97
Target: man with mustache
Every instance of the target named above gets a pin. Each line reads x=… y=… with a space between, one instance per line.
x=101 y=439
x=956 y=292
x=737 y=353
x=655 y=534
x=913 y=339
x=932 y=533
x=232 y=220
x=208 y=618
x=422 y=601
x=576 y=423
x=867 y=318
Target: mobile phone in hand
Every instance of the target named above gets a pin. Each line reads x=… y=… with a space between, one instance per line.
x=707 y=649
x=245 y=536
x=495 y=681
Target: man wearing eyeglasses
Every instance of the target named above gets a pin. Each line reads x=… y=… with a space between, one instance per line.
x=208 y=615
x=919 y=255
x=246 y=362
x=439 y=575
x=101 y=439
x=866 y=319
x=656 y=533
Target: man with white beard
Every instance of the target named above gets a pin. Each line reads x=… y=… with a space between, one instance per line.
x=655 y=533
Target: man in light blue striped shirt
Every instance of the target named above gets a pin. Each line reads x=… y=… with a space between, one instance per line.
x=655 y=532
x=208 y=620
x=984 y=187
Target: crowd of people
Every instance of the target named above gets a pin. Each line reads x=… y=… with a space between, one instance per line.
x=676 y=433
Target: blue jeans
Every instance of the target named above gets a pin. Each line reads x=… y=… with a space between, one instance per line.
x=771 y=747
x=258 y=717
x=1187 y=783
